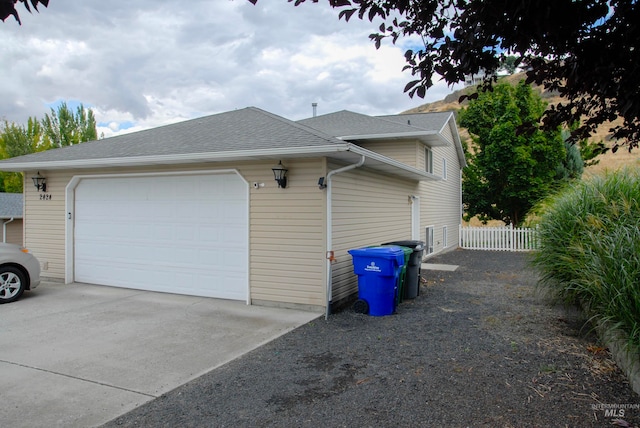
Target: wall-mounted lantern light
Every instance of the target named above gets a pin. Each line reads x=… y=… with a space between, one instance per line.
x=280 y=174
x=40 y=182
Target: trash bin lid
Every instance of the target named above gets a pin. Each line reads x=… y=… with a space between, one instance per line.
x=416 y=245
x=407 y=251
x=390 y=252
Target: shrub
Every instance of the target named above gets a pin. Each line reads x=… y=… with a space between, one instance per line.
x=589 y=251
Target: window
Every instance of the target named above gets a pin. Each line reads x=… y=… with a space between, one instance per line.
x=429 y=240
x=444 y=237
x=428 y=160
x=444 y=168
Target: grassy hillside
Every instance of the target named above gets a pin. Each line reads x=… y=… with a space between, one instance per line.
x=608 y=161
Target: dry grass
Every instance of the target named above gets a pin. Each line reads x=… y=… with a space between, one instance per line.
x=596 y=360
x=474 y=222
x=614 y=161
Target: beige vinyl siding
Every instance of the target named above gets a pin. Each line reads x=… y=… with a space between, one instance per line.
x=368 y=209
x=440 y=200
x=286 y=237
x=402 y=151
x=44 y=232
x=14 y=231
x=447 y=133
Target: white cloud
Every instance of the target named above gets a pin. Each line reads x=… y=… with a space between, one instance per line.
x=143 y=64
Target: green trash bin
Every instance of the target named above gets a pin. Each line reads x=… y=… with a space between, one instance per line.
x=402 y=278
x=411 y=287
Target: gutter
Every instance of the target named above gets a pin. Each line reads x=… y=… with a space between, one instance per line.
x=329 y=228
x=182 y=158
x=229 y=156
x=4 y=229
x=394 y=135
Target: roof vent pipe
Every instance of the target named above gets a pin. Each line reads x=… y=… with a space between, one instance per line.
x=315 y=109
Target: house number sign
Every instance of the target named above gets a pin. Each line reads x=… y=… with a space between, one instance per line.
x=45 y=197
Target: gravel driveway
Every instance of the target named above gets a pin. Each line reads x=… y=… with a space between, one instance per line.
x=477 y=348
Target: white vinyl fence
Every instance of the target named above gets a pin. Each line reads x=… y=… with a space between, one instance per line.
x=505 y=238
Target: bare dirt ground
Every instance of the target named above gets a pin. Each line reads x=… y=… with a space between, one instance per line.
x=477 y=348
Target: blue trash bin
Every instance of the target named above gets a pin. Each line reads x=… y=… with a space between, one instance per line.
x=378 y=270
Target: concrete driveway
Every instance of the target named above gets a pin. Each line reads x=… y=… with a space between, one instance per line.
x=80 y=355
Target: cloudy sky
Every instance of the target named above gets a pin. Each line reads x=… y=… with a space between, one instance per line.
x=140 y=64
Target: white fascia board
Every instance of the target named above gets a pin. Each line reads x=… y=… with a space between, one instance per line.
x=451 y=122
x=460 y=151
x=416 y=134
x=415 y=173
x=457 y=143
x=176 y=158
x=446 y=123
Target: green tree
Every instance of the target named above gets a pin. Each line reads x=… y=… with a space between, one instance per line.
x=64 y=128
x=590 y=150
x=17 y=140
x=512 y=161
x=572 y=166
x=61 y=128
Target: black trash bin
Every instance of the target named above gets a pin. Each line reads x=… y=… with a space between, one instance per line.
x=411 y=284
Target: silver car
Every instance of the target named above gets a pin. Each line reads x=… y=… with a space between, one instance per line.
x=19 y=271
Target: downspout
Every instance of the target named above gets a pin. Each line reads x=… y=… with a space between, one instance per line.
x=461 y=212
x=330 y=228
x=4 y=229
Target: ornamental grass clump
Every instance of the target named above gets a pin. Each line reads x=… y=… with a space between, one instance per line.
x=589 y=252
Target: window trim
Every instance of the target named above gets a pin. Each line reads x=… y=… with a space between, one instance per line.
x=429 y=247
x=445 y=231
x=428 y=160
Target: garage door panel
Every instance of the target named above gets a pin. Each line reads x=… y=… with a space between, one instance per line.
x=185 y=234
x=233 y=259
x=208 y=235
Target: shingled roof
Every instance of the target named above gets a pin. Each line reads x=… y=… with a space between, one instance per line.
x=245 y=134
x=428 y=121
x=342 y=123
x=350 y=126
x=239 y=130
x=11 y=205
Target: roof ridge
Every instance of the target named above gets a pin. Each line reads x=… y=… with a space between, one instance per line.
x=369 y=117
x=300 y=126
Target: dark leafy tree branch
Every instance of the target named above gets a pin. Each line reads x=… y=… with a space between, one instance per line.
x=8 y=7
x=586 y=50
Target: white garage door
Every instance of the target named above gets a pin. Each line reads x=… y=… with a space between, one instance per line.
x=177 y=234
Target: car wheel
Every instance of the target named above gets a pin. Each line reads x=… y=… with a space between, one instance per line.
x=12 y=283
